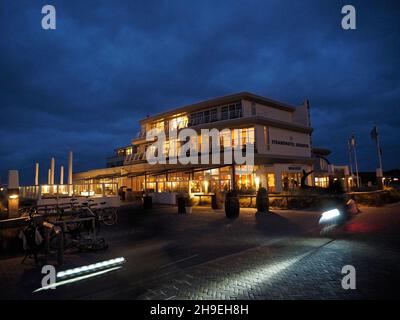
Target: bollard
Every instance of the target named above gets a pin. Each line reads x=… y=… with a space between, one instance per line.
x=60 y=251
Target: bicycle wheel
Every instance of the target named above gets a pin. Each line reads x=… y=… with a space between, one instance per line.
x=109 y=216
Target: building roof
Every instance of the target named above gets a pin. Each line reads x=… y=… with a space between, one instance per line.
x=220 y=101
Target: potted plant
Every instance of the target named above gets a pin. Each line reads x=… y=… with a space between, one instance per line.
x=189 y=205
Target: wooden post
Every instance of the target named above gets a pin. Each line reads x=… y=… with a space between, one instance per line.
x=233 y=178
x=145 y=183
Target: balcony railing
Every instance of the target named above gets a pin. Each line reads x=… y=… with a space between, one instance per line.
x=115 y=161
x=141 y=156
x=129 y=159
x=69 y=190
x=141 y=134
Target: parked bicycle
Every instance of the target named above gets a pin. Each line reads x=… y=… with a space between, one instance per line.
x=80 y=229
x=106 y=215
x=31 y=236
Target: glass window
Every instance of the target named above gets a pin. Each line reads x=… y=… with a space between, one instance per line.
x=266 y=137
x=213 y=115
x=224 y=113
x=206 y=116
x=225 y=138
x=196 y=118
x=158 y=125
x=250 y=137
x=178 y=123
x=235 y=111
x=173 y=147
x=244 y=136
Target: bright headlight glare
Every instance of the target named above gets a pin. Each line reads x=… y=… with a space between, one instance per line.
x=330 y=214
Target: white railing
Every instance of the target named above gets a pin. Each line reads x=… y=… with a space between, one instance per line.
x=65 y=190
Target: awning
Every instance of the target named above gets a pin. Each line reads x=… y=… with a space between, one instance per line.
x=184 y=169
x=107 y=176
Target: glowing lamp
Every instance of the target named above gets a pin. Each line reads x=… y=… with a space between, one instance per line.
x=257 y=180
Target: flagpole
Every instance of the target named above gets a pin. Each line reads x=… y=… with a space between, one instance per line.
x=356 y=164
x=350 y=158
x=378 y=146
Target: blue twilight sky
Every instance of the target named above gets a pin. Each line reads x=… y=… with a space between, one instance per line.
x=85 y=85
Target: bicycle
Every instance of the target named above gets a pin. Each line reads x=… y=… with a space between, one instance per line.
x=107 y=215
x=31 y=236
x=80 y=231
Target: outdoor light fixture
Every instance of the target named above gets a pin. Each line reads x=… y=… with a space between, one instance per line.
x=257 y=180
x=329 y=215
x=13 y=196
x=205 y=186
x=90 y=268
x=87 y=193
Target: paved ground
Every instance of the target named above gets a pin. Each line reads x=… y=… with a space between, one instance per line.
x=206 y=256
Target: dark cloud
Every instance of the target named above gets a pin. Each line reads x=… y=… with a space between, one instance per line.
x=85 y=85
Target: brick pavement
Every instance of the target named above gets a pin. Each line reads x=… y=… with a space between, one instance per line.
x=294 y=268
x=206 y=256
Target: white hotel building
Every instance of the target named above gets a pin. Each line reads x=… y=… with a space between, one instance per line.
x=281 y=134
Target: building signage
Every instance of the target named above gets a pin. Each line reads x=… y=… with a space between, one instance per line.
x=290 y=143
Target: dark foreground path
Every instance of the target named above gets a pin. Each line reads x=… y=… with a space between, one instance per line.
x=206 y=256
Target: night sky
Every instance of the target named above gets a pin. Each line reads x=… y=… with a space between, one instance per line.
x=85 y=85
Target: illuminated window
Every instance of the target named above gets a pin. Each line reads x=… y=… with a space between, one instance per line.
x=173 y=147
x=243 y=136
x=158 y=125
x=249 y=135
x=266 y=137
x=165 y=148
x=225 y=138
x=322 y=182
x=178 y=123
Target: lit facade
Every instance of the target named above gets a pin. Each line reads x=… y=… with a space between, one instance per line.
x=280 y=133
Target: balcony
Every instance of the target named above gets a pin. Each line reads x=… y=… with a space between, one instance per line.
x=141 y=134
x=132 y=158
x=115 y=161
